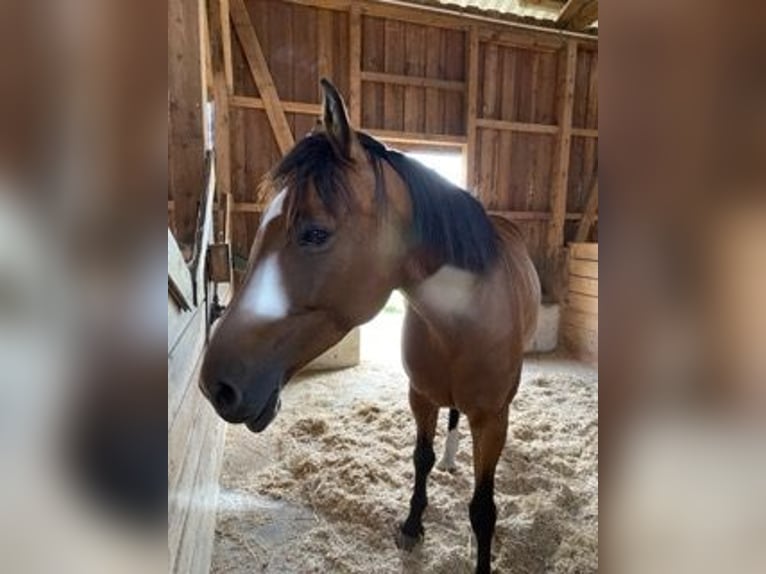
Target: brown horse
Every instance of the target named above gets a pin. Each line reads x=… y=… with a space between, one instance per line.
x=351 y=222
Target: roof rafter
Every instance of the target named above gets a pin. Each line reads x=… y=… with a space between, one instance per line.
x=578 y=14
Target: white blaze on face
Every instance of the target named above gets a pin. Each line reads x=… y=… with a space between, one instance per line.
x=265 y=295
x=448 y=291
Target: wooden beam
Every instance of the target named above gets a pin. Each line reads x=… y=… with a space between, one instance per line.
x=558 y=201
x=185 y=134
x=443 y=17
x=511 y=39
x=589 y=215
x=584 y=132
x=578 y=14
x=261 y=75
x=256 y=207
x=226 y=39
x=532 y=215
x=416 y=81
x=472 y=73
x=581 y=250
x=289 y=107
x=220 y=97
x=517 y=126
x=355 y=66
x=417 y=137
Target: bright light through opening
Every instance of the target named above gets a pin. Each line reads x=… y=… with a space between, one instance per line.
x=449 y=165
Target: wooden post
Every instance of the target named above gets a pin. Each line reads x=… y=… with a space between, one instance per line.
x=558 y=201
x=228 y=64
x=261 y=75
x=221 y=99
x=185 y=135
x=472 y=74
x=355 y=56
x=589 y=214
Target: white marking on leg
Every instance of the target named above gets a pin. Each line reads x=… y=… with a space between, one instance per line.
x=266 y=297
x=450 y=450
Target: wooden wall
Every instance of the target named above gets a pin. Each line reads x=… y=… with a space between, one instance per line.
x=195 y=432
x=579 y=318
x=520 y=105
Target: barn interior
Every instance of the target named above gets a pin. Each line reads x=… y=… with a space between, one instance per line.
x=499 y=96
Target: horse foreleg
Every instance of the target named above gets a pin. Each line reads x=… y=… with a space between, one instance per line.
x=489 y=433
x=425 y=412
x=450 y=446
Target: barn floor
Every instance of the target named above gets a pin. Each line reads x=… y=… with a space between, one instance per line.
x=322 y=489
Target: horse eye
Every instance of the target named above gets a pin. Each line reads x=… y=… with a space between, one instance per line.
x=314 y=237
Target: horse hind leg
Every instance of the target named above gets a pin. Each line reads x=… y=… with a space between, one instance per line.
x=489 y=434
x=426 y=413
x=447 y=461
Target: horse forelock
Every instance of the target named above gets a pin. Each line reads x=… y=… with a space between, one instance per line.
x=449 y=222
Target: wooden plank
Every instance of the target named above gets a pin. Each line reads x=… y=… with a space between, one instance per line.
x=226 y=40
x=487 y=162
x=219 y=263
x=434 y=99
x=555 y=235
x=304 y=67
x=584 y=303
x=589 y=213
x=221 y=98
x=584 y=132
x=531 y=215
x=325 y=44
x=408 y=137
x=414 y=96
x=373 y=59
x=581 y=320
x=472 y=74
x=454 y=70
x=429 y=15
x=517 y=126
x=179 y=276
x=261 y=75
x=416 y=81
x=256 y=207
x=289 y=107
x=578 y=14
x=587 y=251
x=185 y=132
x=204 y=232
x=583 y=268
x=511 y=39
x=583 y=285
x=393 y=93
x=490 y=107
x=355 y=66
x=182 y=358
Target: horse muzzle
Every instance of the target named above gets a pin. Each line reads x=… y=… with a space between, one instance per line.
x=259 y=422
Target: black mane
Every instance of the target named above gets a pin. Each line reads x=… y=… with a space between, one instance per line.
x=447 y=221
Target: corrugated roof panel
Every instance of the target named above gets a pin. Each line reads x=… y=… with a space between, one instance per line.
x=543 y=10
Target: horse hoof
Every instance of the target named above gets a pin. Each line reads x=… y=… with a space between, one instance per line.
x=446 y=466
x=407 y=542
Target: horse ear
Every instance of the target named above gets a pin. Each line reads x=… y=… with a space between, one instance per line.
x=335 y=119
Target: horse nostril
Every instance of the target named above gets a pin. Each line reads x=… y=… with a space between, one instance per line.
x=226 y=397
